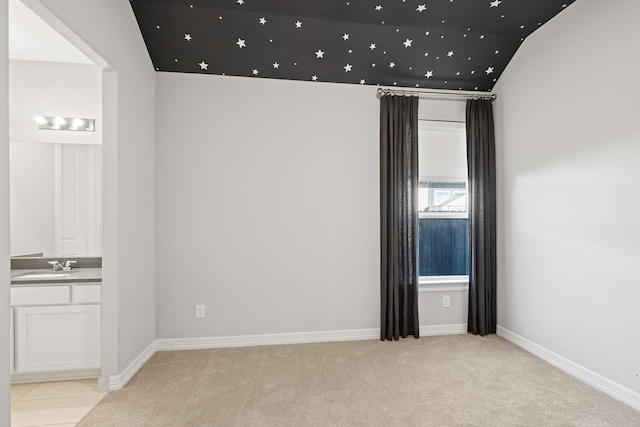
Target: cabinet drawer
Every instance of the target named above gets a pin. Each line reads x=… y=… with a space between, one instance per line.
x=83 y=294
x=38 y=295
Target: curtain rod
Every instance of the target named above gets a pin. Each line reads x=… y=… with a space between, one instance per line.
x=436 y=94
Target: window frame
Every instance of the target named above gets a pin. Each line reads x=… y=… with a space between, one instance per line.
x=453 y=282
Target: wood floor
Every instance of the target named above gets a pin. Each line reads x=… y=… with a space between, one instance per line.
x=48 y=404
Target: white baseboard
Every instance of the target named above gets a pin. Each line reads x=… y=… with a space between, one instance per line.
x=116 y=382
x=433 y=330
x=266 y=339
x=54 y=376
x=595 y=380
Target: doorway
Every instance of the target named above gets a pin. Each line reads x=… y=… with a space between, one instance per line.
x=57 y=79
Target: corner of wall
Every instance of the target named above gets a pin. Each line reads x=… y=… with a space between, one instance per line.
x=5 y=406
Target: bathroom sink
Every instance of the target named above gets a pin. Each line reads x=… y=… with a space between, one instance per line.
x=42 y=275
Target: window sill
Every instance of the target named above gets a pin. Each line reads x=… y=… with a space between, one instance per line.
x=443 y=283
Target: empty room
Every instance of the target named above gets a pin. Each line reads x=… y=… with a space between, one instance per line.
x=323 y=213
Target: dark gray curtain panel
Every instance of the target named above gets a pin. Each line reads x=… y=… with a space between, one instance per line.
x=399 y=217
x=481 y=163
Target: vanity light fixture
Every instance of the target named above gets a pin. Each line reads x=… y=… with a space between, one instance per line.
x=65 y=123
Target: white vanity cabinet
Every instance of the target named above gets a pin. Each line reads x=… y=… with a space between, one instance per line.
x=56 y=327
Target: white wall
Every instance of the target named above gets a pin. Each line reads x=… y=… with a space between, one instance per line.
x=568 y=146
x=267 y=206
x=5 y=407
x=38 y=88
x=110 y=30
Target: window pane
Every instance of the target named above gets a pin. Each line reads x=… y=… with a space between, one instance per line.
x=436 y=196
x=443 y=247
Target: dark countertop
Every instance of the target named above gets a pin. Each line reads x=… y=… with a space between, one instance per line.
x=23 y=263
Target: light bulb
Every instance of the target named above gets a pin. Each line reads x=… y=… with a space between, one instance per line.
x=78 y=123
x=60 y=121
x=41 y=120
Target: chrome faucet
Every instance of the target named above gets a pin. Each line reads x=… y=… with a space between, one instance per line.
x=56 y=266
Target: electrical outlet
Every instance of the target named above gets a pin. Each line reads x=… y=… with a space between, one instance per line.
x=199 y=311
x=446 y=301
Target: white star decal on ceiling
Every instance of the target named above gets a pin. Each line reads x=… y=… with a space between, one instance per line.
x=314 y=78
x=446 y=43
x=362 y=81
x=255 y=72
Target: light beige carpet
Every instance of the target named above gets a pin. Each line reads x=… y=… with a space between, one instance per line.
x=459 y=380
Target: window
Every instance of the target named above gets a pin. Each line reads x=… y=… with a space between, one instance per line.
x=443 y=233
x=442 y=196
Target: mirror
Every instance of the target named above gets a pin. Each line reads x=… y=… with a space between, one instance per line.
x=55 y=199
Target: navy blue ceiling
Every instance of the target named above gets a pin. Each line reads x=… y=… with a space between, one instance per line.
x=435 y=44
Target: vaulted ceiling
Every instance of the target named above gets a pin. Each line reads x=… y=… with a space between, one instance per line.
x=435 y=44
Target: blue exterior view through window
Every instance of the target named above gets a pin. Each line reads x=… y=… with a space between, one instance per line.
x=443 y=247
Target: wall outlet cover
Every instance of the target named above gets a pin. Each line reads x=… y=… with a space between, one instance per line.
x=200 y=312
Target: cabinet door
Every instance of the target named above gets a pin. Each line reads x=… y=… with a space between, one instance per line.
x=54 y=338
